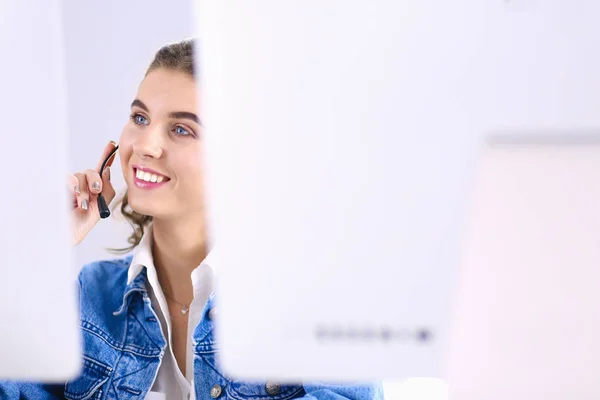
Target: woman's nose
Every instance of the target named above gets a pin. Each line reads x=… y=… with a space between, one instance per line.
x=148 y=144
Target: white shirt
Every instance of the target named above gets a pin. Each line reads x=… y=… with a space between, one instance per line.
x=170 y=383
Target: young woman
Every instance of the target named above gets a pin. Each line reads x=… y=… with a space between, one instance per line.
x=147 y=318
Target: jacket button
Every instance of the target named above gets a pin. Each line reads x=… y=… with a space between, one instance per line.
x=212 y=314
x=216 y=391
x=273 y=388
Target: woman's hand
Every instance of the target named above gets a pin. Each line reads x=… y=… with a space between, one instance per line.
x=84 y=188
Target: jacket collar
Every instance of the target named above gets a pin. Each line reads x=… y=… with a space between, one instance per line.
x=138 y=284
x=203 y=332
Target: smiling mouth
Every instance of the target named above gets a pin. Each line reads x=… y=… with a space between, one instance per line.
x=146 y=179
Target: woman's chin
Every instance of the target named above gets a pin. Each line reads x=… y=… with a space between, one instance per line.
x=142 y=207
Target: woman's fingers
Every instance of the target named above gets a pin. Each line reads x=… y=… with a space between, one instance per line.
x=97 y=184
x=87 y=185
x=94 y=181
x=72 y=183
x=107 y=189
x=85 y=188
x=82 y=191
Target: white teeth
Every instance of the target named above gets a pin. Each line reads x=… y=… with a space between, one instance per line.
x=148 y=177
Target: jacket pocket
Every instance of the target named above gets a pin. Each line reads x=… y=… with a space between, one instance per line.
x=89 y=384
x=263 y=391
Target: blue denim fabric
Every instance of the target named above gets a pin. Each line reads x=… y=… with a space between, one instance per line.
x=123 y=346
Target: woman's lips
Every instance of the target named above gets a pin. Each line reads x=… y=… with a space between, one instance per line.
x=145 y=178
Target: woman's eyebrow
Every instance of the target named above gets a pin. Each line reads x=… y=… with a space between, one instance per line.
x=139 y=104
x=186 y=115
x=174 y=114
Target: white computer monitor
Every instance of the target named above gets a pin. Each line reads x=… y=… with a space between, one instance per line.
x=39 y=330
x=342 y=142
x=339 y=147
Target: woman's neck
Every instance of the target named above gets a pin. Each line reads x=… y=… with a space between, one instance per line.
x=178 y=248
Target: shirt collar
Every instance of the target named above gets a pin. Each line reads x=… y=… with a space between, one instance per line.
x=143 y=256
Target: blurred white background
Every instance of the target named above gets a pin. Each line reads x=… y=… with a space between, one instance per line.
x=109 y=44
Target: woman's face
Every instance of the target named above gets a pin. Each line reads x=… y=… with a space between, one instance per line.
x=160 y=147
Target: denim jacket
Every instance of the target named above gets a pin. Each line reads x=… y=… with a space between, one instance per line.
x=123 y=346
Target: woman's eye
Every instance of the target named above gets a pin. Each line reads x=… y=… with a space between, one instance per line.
x=180 y=130
x=139 y=119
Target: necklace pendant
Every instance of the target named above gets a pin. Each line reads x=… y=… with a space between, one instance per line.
x=185 y=310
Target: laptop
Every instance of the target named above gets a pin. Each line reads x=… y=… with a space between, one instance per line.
x=342 y=145
x=39 y=332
